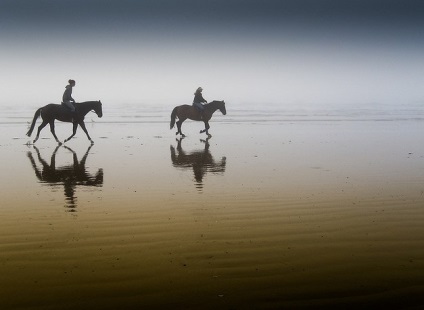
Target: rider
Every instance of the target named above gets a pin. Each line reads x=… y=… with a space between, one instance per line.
x=198 y=99
x=67 y=99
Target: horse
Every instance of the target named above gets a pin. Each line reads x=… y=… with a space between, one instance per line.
x=49 y=113
x=185 y=111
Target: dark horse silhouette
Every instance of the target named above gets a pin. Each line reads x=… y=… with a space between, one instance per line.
x=49 y=113
x=185 y=111
x=200 y=161
x=70 y=176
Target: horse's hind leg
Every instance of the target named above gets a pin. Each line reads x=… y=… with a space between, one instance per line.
x=43 y=124
x=179 y=123
x=53 y=132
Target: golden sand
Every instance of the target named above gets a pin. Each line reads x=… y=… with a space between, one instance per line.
x=259 y=216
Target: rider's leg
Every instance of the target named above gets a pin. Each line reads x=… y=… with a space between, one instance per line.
x=71 y=107
x=201 y=108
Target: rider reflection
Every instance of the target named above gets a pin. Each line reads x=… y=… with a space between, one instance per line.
x=200 y=161
x=70 y=176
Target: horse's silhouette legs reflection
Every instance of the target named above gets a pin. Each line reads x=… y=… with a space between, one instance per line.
x=70 y=176
x=200 y=161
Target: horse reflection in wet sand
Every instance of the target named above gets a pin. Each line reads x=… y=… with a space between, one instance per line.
x=70 y=176
x=200 y=161
x=185 y=111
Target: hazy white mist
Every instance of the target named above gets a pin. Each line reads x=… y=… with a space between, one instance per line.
x=131 y=53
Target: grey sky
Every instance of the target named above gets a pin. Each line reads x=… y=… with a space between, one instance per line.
x=259 y=52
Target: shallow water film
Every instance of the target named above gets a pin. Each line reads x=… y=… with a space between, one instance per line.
x=292 y=212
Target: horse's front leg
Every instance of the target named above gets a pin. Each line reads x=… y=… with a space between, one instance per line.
x=206 y=129
x=53 y=132
x=82 y=124
x=74 y=131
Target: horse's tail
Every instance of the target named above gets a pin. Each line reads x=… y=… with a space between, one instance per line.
x=36 y=115
x=173 y=116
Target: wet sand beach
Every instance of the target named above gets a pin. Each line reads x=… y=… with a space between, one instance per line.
x=276 y=212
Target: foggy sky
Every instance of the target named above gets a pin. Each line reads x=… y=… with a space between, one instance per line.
x=246 y=52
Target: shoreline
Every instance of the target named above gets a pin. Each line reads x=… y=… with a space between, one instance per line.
x=241 y=114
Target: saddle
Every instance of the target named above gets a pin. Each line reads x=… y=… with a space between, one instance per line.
x=199 y=107
x=66 y=107
x=64 y=104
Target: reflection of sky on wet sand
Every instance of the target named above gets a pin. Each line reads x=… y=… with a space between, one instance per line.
x=284 y=156
x=303 y=208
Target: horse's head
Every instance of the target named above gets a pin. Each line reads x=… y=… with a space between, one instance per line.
x=222 y=107
x=98 y=108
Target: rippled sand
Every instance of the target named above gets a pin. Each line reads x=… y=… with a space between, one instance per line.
x=282 y=214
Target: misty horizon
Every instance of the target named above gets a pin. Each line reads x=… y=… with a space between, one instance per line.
x=244 y=52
